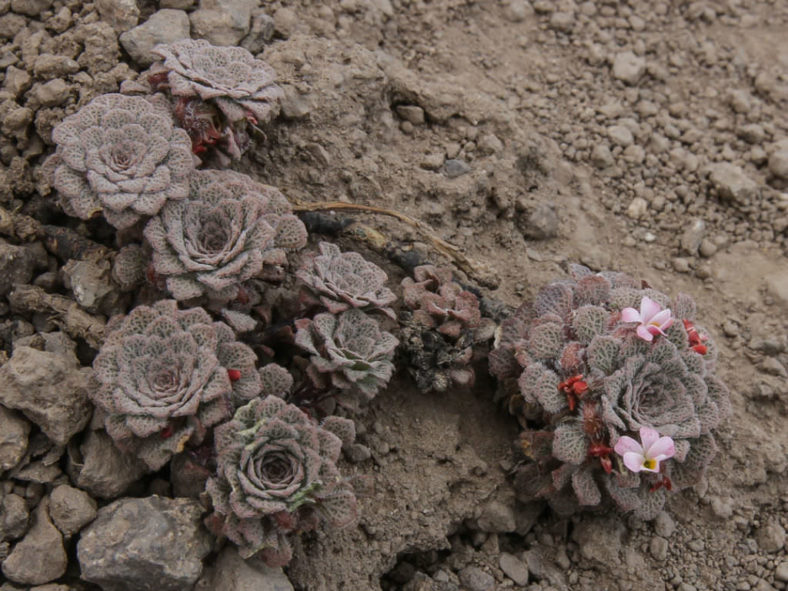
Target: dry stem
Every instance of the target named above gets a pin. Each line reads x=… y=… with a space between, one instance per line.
x=480 y=272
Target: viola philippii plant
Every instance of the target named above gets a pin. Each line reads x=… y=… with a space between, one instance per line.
x=585 y=383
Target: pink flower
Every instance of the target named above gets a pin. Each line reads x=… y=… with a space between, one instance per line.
x=647 y=456
x=652 y=318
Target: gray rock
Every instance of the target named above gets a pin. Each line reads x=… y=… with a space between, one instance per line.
x=628 y=67
x=542 y=566
x=518 y=10
x=17 y=265
x=30 y=7
x=150 y=544
x=222 y=22
x=752 y=133
x=454 y=167
x=14 y=517
x=285 y=22
x=637 y=208
x=620 y=135
x=732 y=184
x=177 y=4
x=121 y=15
x=294 y=104
x=13 y=438
x=49 y=66
x=692 y=236
x=100 y=468
x=770 y=536
x=781 y=572
x=16 y=81
x=526 y=515
x=778 y=164
x=514 y=568
x=260 y=32
x=50 y=389
x=707 y=248
x=475 y=579
x=599 y=538
x=497 y=517
x=52 y=93
x=562 y=21
x=91 y=283
x=664 y=525
x=233 y=573
x=164 y=26
x=658 y=548
x=541 y=223
x=777 y=285
x=601 y=157
x=357 y=453
x=39 y=557
x=412 y=113
x=71 y=509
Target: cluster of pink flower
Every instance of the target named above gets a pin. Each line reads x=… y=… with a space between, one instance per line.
x=652 y=321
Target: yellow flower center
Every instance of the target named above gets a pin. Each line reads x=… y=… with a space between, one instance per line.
x=650 y=464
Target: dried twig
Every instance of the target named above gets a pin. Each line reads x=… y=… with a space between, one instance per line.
x=480 y=272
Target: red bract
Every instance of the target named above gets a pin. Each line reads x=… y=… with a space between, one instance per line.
x=234 y=375
x=665 y=482
x=695 y=339
x=574 y=388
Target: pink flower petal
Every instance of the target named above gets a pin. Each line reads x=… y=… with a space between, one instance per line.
x=627 y=444
x=662 y=449
x=633 y=461
x=648 y=437
x=668 y=324
x=644 y=333
x=648 y=308
x=661 y=319
x=630 y=315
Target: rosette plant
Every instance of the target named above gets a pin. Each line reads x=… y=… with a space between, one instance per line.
x=440 y=329
x=584 y=380
x=344 y=280
x=218 y=92
x=277 y=477
x=121 y=156
x=350 y=349
x=164 y=376
x=229 y=230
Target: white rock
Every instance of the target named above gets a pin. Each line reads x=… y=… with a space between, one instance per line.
x=164 y=26
x=628 y=67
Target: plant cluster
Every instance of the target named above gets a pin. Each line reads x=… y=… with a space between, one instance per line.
x=592 y=363
x=440 y=329
x=277 y=477
x=176 y=386
x=166 y=376
x=229 y=230
x=120 y=156
x=218 y=92
x=350 y=352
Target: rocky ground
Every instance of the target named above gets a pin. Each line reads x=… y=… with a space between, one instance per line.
x=648 y=137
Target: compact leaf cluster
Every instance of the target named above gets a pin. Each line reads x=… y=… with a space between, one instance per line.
x=440 y=328
x=594 y=362
x=176 y=387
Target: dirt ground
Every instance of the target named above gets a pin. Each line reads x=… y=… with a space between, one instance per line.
x=649 y=137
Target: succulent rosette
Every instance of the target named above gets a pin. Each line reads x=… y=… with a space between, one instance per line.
x=227 y=231
x=350 y=348
x=164 y=376
x=219 y=90
x=122 y=156
x=440 y=302
x=440 y=329
x=582 y=377
x=345 y=280
x=277 y=477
